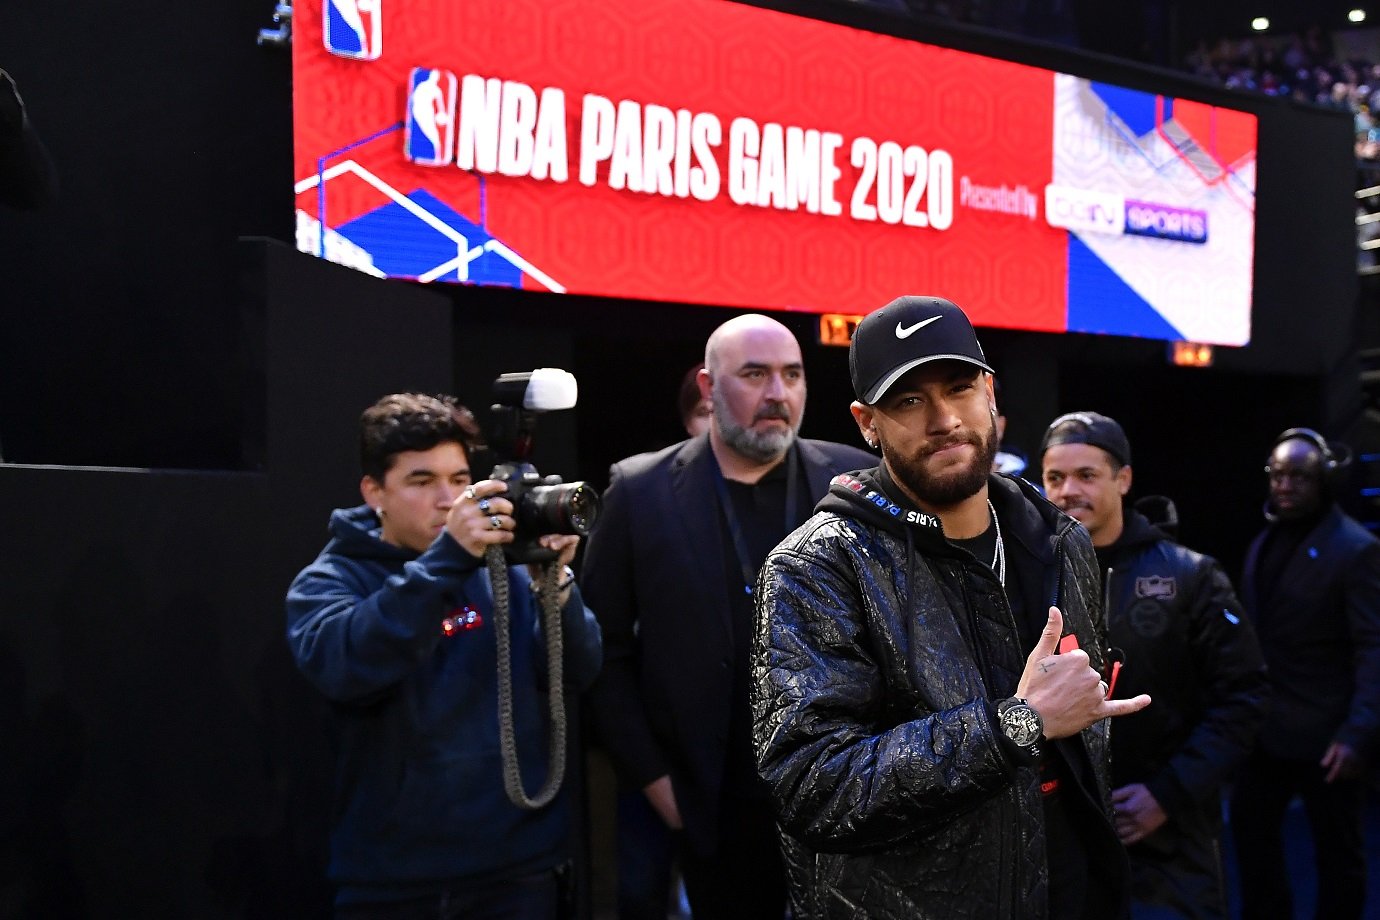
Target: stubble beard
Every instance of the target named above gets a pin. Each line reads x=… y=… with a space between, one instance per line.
x=950 y=488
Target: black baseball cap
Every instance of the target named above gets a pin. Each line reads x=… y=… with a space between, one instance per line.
x=1088 y=428
x=906 y=333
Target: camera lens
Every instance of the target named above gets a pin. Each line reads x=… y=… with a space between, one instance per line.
x=582 y=507
x=569 y=508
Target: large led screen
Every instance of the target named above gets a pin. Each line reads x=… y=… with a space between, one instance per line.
x=711 y=152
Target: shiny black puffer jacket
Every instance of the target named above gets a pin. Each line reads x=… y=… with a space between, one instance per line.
x=878 y=653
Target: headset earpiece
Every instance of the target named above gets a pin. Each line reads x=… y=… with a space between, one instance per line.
x=1334 y=464
x=1329 y=460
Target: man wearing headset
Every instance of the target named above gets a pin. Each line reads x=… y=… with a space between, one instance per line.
x=1312 y=588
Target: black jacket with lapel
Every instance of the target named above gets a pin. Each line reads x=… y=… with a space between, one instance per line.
x=1320 y=632
x=654 y=577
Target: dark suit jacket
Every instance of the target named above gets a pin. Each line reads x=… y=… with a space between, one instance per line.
x=654 y=576
x=1320 y=632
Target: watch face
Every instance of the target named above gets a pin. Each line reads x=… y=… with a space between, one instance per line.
x=1021 y=724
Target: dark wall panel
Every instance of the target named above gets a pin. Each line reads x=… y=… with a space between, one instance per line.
x=171 y=133
x=163 y=756
x=1305 y=279
x=158 y=770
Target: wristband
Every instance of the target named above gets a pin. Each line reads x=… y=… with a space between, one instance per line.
x=567 y=579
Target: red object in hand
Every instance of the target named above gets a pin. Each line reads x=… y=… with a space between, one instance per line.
x=1070 y=642
x=1111 y=681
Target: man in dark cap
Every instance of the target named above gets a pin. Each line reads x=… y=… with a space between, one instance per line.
x=933 y=731
x=1312 y=590
x=1176 y=621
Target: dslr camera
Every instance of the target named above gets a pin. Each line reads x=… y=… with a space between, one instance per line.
x=541 y=504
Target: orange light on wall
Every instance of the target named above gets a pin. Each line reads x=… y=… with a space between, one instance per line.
x=1190 y=354
x=837 y=328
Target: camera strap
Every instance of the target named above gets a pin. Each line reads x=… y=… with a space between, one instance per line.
x=555 y=644
x=735 y=530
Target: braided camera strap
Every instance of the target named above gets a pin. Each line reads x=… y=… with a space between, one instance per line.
x=549 y=599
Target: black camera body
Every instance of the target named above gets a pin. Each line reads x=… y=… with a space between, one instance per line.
x=541 y=504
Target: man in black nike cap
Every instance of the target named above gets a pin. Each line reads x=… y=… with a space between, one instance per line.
x=933 y=731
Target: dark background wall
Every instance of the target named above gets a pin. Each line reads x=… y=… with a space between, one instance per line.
x=163 y=756
x=171 y=132
x=165 y=759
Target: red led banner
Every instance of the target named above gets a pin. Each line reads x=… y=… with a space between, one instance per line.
x=711 y=152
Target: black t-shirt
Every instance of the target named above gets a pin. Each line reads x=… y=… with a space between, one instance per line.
x=760 y=509
x=983 y=546
x=1106 y=557
x=1029 y=622
x=1066 y=850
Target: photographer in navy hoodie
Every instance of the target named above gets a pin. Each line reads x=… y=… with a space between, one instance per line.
x=394 y=623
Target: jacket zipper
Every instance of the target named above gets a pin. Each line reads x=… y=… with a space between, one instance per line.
x=1059 y=569
x=973 y=623
x=1107 y=601
x=1005 y=889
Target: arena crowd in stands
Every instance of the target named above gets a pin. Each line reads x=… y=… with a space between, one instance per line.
x=1340 y=70
x=1310 y=67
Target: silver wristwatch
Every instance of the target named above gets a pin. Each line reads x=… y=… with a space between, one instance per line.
x=1021 y=724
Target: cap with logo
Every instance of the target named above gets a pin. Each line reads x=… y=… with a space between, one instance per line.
x=1088 y=428
x=904 y=334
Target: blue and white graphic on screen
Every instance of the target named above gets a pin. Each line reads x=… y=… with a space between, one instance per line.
x=1135 y=108
x=428 y=239
x=1100 y=301
x=1161 y=231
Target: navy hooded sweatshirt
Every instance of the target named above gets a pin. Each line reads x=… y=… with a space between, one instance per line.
x=419 y=798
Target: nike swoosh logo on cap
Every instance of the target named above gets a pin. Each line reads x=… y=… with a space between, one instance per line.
x=904 y=332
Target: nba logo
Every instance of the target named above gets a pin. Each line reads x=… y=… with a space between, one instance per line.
x=430 y=136
x=354 y=28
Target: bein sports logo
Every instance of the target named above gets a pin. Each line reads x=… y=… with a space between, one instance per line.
x=1081 y=210
x=430 y=136
x=1184 y=225
x=354 y=28
x=1085 y=211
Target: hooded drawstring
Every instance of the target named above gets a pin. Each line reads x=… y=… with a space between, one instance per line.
x=910 y=562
